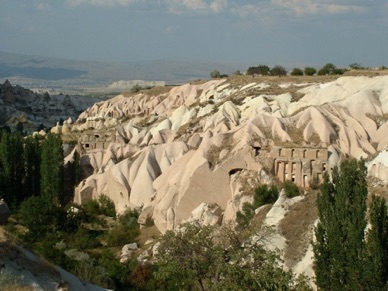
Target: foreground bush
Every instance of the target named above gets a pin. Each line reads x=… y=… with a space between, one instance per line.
x=220 y=258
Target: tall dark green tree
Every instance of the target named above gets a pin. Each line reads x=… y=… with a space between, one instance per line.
x=340 y=234
x=52 y=170
x=12 y=167
x=32 y=167
x=377 y=245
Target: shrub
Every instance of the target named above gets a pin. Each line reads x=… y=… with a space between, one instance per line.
x=263 y=195
x=259 y=70
x=122 y=234
x=215 y=74
x=126 y=231
x=114 y=270
x=330 y=69
x=355 y=66
x=101 y=206
x=278 y=71
x=85 y=239
x=107 y=206
x=40 y=216
x=309 y=71
x=291 y=189
x=297 y=72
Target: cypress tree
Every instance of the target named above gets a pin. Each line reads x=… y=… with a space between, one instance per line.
x=340 y=241
x=377 y=246
x=52 y=172
x=32 y=167
x=12 y=167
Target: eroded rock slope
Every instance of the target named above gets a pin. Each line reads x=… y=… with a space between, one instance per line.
x=197 y=151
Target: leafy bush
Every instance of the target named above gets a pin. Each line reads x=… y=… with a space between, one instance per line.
x=101 y=206
x=118 y=273
x=215 y=74
x=291 y=189
x=259 y=70
x=107 y=206
x=278 y=71
x=310 y=71
x=85 y=239
x=297 y=72
x=330 y=69
x=194 y=258
x=40 y=215
x=126 y=231
x=263 y=195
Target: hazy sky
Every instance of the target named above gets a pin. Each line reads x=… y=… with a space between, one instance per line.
x=285 y=32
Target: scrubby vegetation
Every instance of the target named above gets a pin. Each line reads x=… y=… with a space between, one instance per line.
x=291 y=189
x=84 y=240
x=296 y=72
x=212 y=258
x=263 y=194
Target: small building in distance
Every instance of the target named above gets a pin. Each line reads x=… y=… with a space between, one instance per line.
x=97 y=140
x=300 y=165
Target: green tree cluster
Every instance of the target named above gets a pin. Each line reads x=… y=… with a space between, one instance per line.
x=52 y=169
x=19 y=167
x=278 y=71
x=291 y=189
x=296 y=72
x=219 y=258
x=310 y=71
x=347 y=256
x=330 y=69
x=263 y=70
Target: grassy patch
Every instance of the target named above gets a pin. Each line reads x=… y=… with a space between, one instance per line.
x=296 y=227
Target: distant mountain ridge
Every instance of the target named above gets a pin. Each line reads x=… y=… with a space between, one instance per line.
x=44 y=68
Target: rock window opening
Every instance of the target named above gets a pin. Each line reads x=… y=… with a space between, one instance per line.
x=305 y=181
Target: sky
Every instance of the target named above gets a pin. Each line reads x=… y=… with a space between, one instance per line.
x=272 y=32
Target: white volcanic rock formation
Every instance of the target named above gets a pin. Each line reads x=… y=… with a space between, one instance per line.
x=177 y=150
